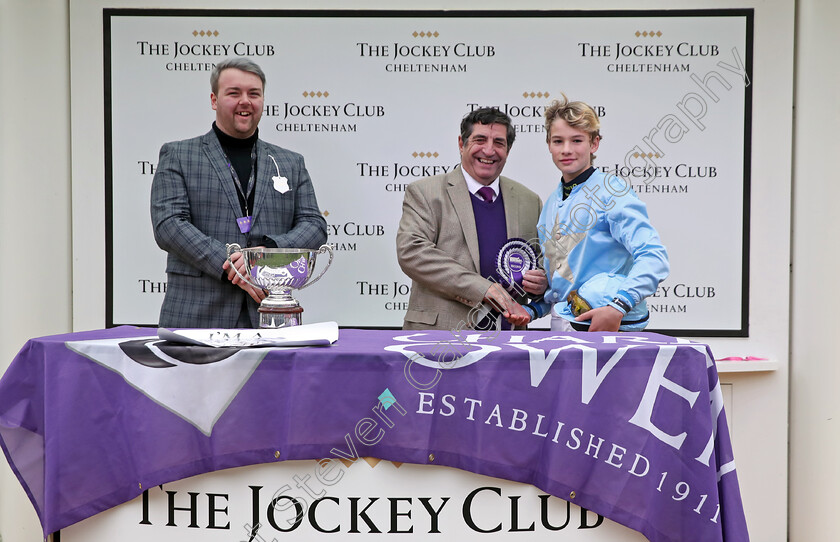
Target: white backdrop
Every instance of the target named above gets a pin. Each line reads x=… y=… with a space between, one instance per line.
x=373 y=101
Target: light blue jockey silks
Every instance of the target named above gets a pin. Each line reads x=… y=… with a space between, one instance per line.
x=602 y=227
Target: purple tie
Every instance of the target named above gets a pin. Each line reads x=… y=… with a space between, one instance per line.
x=486 y=193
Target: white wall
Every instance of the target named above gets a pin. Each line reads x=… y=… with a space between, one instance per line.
x=35 y=297
x=35 y=214
x=815 y=324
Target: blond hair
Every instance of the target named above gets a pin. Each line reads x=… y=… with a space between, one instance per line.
x=578 y=115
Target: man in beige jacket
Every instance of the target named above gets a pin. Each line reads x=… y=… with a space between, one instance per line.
x=452 y=228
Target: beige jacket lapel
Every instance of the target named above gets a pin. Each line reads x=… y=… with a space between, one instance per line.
x=459 y=195
x=509 y=196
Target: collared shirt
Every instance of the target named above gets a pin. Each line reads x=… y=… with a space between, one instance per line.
x=474 y=186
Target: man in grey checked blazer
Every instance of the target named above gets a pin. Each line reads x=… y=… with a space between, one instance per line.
x=203 y=185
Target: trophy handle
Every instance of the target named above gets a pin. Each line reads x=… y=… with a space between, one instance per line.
x=324 y=248
x=234 y=247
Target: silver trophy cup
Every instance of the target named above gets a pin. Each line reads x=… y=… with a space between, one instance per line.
x=279 y=271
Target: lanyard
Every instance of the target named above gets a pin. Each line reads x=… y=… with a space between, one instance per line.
x=249 y=187
x=244 y=222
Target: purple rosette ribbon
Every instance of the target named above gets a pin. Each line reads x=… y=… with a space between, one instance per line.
x=515 y=258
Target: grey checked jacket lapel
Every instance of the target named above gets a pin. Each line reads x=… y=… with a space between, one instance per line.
x=213 y=149
x=265 y=171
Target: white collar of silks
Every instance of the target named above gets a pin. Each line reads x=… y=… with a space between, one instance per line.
x=281 y=184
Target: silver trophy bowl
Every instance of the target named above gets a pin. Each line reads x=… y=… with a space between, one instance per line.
x=279 y=271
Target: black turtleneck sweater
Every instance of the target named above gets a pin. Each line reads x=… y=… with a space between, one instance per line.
x=238 y=151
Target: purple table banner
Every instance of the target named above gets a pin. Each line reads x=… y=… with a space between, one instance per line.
x=630 y=426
